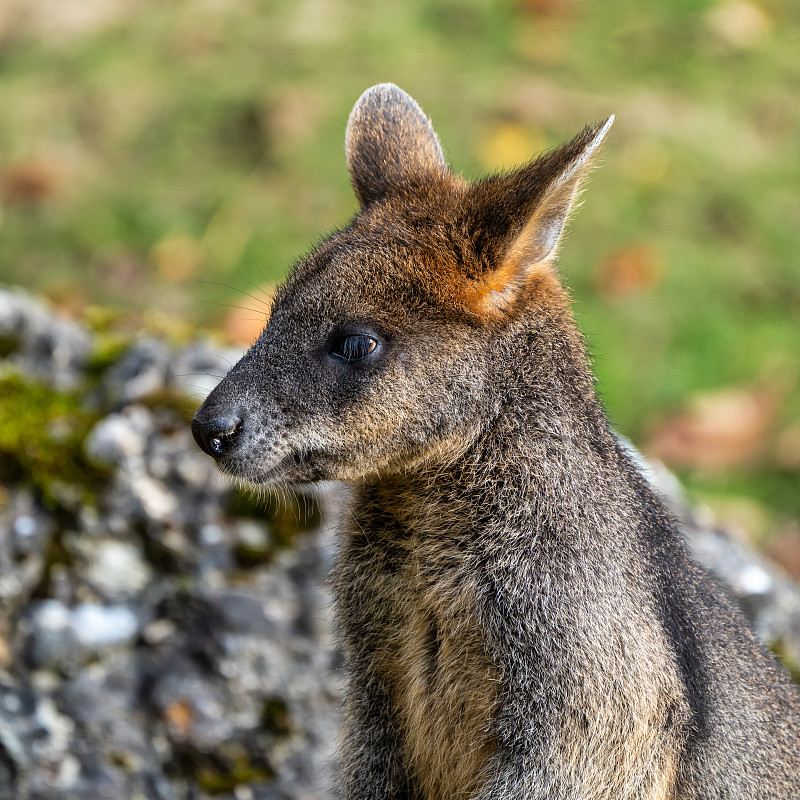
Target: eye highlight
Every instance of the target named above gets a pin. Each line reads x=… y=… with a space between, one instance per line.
x=355 y=347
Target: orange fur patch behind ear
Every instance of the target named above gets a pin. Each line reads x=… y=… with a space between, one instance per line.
x=495 y=296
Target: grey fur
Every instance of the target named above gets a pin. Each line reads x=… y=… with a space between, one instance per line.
x=519 y=613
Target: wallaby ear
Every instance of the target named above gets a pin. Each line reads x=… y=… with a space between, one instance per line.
x=520 y=218
x=391 y=146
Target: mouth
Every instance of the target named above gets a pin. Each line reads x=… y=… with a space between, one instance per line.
x=295 y=468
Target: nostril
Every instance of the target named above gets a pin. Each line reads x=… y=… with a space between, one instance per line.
x=217 y=435
x=218 y=442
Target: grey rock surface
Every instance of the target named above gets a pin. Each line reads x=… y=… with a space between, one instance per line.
x=164 y=642
x=39 y=342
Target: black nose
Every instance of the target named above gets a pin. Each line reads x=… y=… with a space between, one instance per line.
x=218 y=435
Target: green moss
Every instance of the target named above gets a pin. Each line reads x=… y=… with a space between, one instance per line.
x=8 y=344
x=122 y=761
x=275 y=717
x=240 y=773
x=166 y=400
x=248 y=556
x=108 y=347
x=780 y=650
x=41 y=441
x=222 y=770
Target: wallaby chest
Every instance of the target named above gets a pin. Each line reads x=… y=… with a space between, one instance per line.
x=426 y=600
x=432 y=655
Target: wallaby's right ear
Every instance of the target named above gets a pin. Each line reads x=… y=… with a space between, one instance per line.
x=391 y=146
x=518 y=219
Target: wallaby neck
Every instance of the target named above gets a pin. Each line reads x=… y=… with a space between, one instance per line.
x=545 y=453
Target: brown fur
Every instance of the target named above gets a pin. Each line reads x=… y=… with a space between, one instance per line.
x=444 y=708
x=519 y=614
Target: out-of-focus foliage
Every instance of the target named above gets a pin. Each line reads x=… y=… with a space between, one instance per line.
x=151 y=151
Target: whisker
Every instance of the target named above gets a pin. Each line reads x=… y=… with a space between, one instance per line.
x=264 y=302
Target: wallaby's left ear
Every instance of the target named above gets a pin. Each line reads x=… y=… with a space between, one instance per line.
x=391 y=146
x=520 y=218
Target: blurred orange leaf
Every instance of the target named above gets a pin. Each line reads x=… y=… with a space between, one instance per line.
x=180 y=716
x=624 y=272
x=719 y=430
x=30 y=182
x=546 y=8
x=243 y=324
x=785 y=549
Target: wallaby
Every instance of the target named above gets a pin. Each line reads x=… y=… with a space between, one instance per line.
x=519 y=614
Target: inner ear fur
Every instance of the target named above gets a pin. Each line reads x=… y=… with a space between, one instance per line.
x=391 y=146
x=518 y=220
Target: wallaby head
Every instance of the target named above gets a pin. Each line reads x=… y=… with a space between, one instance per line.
x=381 y=345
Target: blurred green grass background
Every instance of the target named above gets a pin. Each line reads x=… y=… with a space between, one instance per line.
x=167 y=158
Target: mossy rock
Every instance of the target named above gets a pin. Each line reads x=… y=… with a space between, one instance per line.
x=41 y=441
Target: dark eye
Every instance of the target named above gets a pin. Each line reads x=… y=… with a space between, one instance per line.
x=354 y=348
